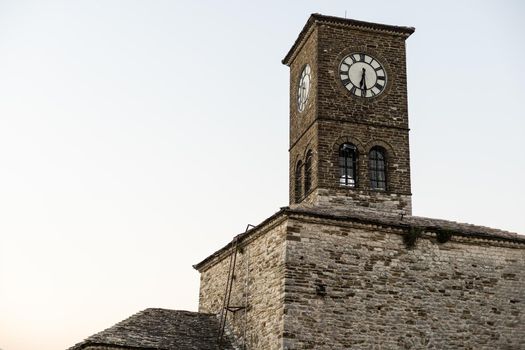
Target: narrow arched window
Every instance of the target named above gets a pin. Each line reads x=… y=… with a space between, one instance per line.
x=347 y=165
x=308 y=172
x=298 y=181
x=377 y=168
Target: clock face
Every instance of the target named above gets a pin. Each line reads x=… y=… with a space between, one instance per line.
x=362 y=75
x=304 y=88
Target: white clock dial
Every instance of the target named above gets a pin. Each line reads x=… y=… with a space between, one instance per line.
x=304 y=88
x=362 y=75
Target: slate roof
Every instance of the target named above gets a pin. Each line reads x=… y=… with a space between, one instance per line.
x=375 y=217
x=160 y=329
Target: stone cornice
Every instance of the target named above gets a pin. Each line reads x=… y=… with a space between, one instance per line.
x=337 y=21
x=364 y=216
x=243 y=239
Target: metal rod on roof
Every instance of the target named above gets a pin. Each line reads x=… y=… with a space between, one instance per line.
x=226 y=299
x=246 y=295
x=229 y=284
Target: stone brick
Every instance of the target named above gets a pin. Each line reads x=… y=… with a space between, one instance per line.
x=313 y=281
x=258 y=285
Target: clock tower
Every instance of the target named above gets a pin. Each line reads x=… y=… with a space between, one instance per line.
x=349 y=144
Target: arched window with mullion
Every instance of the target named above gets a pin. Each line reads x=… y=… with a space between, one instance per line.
x=377 y=168
x=348 y=165
x=308 y=172
x=298 y=195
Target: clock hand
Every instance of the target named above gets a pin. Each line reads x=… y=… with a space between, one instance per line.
x=362 y=83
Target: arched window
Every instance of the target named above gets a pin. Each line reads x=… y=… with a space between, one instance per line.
x=377 y=168
x=347 y=165
x=308 y=172
x=298 y=181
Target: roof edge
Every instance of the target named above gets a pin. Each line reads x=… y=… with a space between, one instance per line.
x=427 y=224
x=318 y=18
x=375 y=218
x=95 y=340
x=241 y=237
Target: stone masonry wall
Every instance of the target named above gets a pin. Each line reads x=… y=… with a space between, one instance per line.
x=344 y=198
x=301 y=121
x=259 y=284
x=303 y=131
x=388 y=109
x=326 y=188
x=356 y=286
x=364 y=137
x=308 y=142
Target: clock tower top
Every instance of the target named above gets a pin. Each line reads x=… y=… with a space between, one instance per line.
x=318 y=19
x=349 y=115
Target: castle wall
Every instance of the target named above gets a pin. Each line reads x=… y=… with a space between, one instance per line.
x=356 y=286
x=258 y=283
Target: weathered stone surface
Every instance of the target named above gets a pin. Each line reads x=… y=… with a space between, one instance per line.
x=344 y=279
x=258 y=286
x=343 y=199
x=463 y=294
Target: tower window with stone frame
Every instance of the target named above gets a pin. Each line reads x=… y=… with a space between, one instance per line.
x=308 y=172
x=348 y=165
x=377 y=168
x=298 y=194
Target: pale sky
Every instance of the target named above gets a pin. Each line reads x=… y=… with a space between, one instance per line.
x=138 y=137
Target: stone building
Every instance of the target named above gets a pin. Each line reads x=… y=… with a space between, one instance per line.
x=346 y=265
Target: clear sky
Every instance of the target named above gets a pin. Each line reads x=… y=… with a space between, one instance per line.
x=137 y=137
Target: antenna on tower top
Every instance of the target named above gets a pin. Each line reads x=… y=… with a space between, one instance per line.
x=345 y=13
